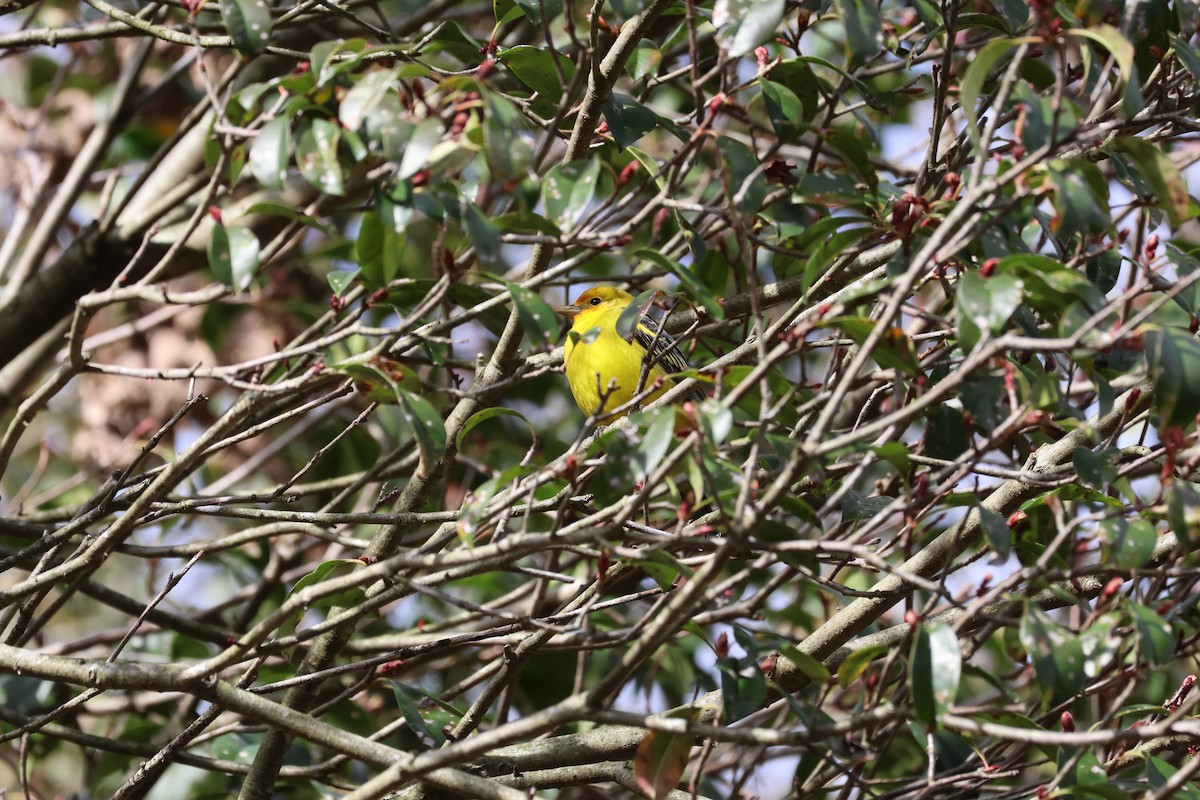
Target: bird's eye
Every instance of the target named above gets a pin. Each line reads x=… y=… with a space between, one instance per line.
x=595 y=301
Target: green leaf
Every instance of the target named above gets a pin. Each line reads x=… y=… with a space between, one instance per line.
x=365 y=96
x=628 y=120
x=742 y=174
x=341 y=279
x=935 y=668
x=484 y=235
x=653 y=446
x=784 y=109
x=644 y=61
x=1173 y=358
x=568 y=190
x=695 y=288
x=814 y=670
x=1057 y=656
x=426 y=423
x=479 y=417
x=946 y=436
x=662 y=568
x=1081 y=208
x=743 y=688
x=894 y=350
x=411 y=700
x=978 y=70
x=534 y=67
x=1114 y=42
x=249 y=24
x=269 y=153
x=1157 y=168
x=1155 y=639
x=1128 y=544
x=533 y=9
x=857 y=507
x=988 y=302
x=233 y=255
x=864 y=28
x=1095 y=468
x=541 y=324
x=345 y=598
x=1183 y=502
x=745 y=24
x=996 y=531
x=377 y=250
x=316 y=156
x=855 y=664
x=1188 y=56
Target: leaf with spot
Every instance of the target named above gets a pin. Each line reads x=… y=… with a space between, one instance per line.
x=365 y=96
x=985 y=304
x=426 y=423
x=249 y=24
x=568 y=190
x=316 y=156
x=233 y=255
x=1156 y=641
x=541 y=324
x=269 y=153
x=1057 y=655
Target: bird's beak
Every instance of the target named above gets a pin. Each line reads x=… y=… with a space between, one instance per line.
x=568 y=311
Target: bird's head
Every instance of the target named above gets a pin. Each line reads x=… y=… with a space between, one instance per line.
x=597 y=297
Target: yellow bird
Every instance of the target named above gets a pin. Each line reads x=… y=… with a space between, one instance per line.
x=596 y=355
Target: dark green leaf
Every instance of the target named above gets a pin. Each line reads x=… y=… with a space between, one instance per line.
x=426 y=423
x=628 y=120
x=1157 y=168
x=863 y=29
x=484 y=235
x=1173 y=357
x=935 y=668
x=1095 y=468
x=249 y=23
x=541 y=324
x=233 y=255
x=411 y=700
x=996 y=531
x=568 y=190
x=488 y=413
x=856 y=507
x=377 y=250
x=534 y=67
x=316 y=156
x=1155 y=639
x=987 y=302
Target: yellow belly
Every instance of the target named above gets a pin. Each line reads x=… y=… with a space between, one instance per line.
x=590 y=367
